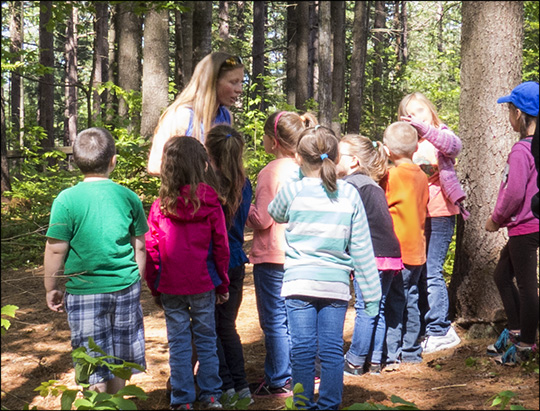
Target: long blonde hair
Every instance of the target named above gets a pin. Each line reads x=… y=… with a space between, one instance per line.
x=372 y=158
x=200 y=93
x=402 y=109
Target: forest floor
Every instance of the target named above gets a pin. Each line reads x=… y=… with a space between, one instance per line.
x=37 y=348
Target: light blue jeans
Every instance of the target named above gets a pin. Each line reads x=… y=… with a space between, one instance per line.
x=316 y=326
x=433 y=301
x=369 y=332
x=268 y=279
x=180 y=311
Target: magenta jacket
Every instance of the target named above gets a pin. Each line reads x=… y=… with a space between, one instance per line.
x=189 y=253
x=513 y=207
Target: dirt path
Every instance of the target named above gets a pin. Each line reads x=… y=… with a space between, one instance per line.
x=36 y=348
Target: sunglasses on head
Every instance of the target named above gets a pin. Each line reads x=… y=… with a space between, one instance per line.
x=233 y=61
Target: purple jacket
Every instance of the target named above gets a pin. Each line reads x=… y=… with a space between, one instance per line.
x=518 y=186
x=188 y=253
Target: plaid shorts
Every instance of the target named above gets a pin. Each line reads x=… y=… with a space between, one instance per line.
x=114 y=321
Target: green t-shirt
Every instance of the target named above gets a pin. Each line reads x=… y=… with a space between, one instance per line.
x=98 y=219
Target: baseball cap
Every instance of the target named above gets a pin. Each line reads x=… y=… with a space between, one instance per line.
x=525 y=97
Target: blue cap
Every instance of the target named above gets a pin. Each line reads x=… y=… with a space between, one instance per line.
x=525 y=97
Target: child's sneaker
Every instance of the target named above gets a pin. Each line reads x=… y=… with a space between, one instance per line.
x=503 y=342
x=181 y=407
x=393 y=366
x=264 y=390
x=211 y=404
x=245 y=393
x=349 y=369
x=434 y=343
x=516 y=354
x=375 y=369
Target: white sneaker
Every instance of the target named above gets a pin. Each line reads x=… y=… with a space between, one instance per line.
x=434 y=343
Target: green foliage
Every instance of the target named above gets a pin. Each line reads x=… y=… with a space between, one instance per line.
x=531 y=41
x=85 y=364
x=8 y=311
x=503 y=398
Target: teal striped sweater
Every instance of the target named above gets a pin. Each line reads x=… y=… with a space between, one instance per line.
x=327 y=237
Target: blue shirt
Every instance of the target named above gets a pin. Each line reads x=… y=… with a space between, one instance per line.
x=223 y=117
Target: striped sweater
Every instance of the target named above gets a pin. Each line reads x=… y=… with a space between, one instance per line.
x=327 y=237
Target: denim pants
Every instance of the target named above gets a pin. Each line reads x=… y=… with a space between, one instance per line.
x=369 y=332
x=403 y=317
x=179 y=310
x=268 y=279
x=434 y=303
x=316 y=326
x=230 y=352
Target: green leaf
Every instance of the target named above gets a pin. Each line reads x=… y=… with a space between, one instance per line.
x=67 y=399
x=133 y=390
x=123 y=404
x=94 y=347
x=9 y=310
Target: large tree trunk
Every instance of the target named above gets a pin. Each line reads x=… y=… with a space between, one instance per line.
x=378 y=46
x=302 y=41
x=325 y=64
x=491 y=50
x=313 y=55
x=184 y=48
x=155 y=84
x=338 y=69
x=290 y=84
x=15 y=32
x=111 y=103
x=70 y=117
x=259 y=19
x=100 y=73
x=202 y=30
x=5 y=180
x=46 y=81
x=358 y=65
x=224 y=24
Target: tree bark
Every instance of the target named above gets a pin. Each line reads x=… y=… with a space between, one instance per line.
x=184 y=50
x=491 y=56
x=325 y=64
x=100 y=69
x=358 y=65
x=290 y=84
x=202 y=30
x=338 y=70
x=46 y=81
x=224 y=24
x=16 y=34
x=5 y=182
x=70 y=117
x=302 y=41
x=313 y=67
x=155 y=82
x=259 y=19
x=378 y=46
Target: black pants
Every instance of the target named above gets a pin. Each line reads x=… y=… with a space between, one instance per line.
x=230 y=351
x=518 y=259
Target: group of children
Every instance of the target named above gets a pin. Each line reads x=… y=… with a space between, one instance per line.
x=327 y=210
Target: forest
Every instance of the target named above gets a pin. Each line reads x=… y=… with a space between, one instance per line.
x=69 y=65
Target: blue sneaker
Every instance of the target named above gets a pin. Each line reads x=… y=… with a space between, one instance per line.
x=503 y=343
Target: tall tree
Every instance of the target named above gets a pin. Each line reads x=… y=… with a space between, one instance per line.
x=46 y=81
x=155 y=82
x=302 y=42
x=184 y=45
x=202 y=30
x=5 y=182
x=290 y=82
x=16 y=34
x=128 y=31
x=325 y=64
x=112 y=71
x=313 y=50
x=259 y=20
x=70 y=117
x=223 y=12
x=491 y=50
x=338 y=69
x=379 y=24
x=100 y=63
x=358 y=65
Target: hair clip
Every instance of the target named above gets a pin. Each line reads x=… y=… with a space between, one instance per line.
x=228 y=135
x=323 y=156
x=317 y=126
x=374 y=144
x=276 y=122
x=233 y=61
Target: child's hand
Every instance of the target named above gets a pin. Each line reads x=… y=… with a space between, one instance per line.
x=55 y=300
x=491 y=225
x=157 y=300
x=222 y=298
x=419 y=125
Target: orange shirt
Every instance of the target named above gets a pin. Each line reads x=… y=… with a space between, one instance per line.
x=407 y=193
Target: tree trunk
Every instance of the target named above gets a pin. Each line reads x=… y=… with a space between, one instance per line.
x=358 y=65
x=302 y=41
x=325 y=64
x=224 y=24
x=312 y=51
x=290 y=84
x=112 y=71
x=5 y=181
x=15 y=32
x=202 y=30
x=338 y=71
x=129 y=32
x=259 y=12
x=378 y=46
x=491 y=62
x=155 y=84
x=404 y=34
x=70 y=117
x=46 y=81
x=100 y=69
x=240 y=10
x=184 y=50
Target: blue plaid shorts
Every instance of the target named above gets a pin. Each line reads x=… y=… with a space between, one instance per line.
x=114 y=321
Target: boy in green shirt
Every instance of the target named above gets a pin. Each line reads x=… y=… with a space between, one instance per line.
x=96 y=232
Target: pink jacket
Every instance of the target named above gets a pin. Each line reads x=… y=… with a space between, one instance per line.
x=188 y=253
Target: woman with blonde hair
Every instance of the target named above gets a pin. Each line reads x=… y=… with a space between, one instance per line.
x=215 y=85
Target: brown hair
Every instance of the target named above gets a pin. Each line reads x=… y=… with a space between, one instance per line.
x=93 y=150
x=286 y=126
x=185 y=162
x=372 y=158
x=524 y=121
x=225 y=147
x=319 y=148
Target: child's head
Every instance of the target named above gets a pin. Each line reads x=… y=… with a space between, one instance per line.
x=523 y=106
x=401 y=139
x=318 y=151
x=359 y=154
x=94 y=150
x=282 y=129
x=419 y=106
x=185 y=162
x=225 y=147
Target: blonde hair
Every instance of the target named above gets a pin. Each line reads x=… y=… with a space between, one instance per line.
x=372 y=158
x=401 y=139
x=402 y=108
x=319 y=148
x=286 y=126
x=200 y=93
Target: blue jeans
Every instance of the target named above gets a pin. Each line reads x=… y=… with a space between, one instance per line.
x=268 y=279
x=403 y=317
x=369 y=332
x=316 y=326
x=179 y=310
x=432 y=287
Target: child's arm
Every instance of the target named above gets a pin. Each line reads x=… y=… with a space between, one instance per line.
x=55 y=253
x=279 y=207
x=139 y=246
x=221 y=253
x=152 y=258
x=442 y=138
x=258 y=217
